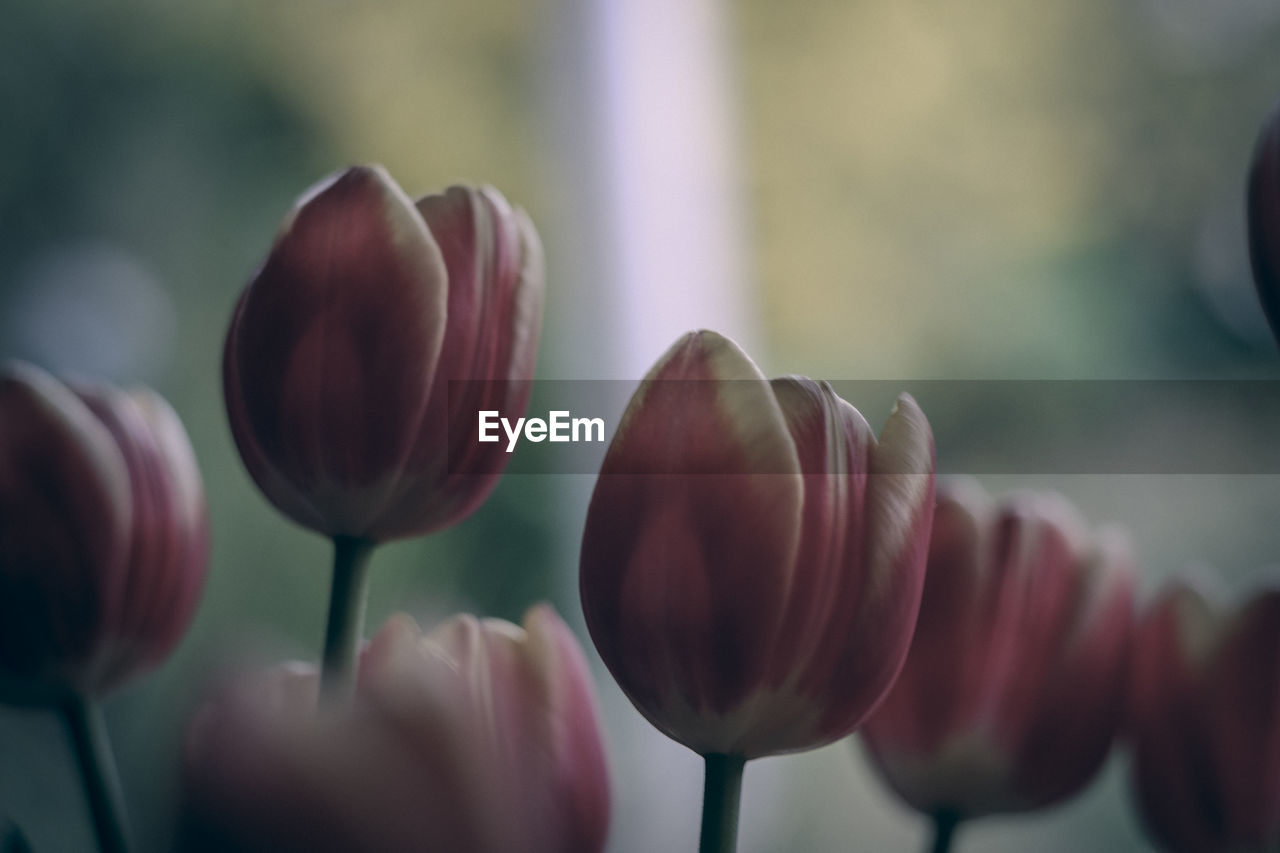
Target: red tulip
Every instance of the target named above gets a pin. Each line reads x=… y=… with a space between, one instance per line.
x=1013 y=688
x=103 y=535
x=753 y=557
x=340 y=354
x=1205 y=722
x=480 y=737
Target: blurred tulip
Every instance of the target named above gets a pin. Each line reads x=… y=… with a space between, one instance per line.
x=1205 y=722
x=339 y=354
x=480 y=737
x=1014 y=685
x=103 y=535
x=1264 y=219
x=753 y=557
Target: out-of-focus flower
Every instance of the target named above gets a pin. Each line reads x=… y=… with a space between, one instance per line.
x=753 y=557
x=1014 y=686
x=103 y=535
x=340 y=353
x=1204 y=707
x=479 y=737
x=1264 y=219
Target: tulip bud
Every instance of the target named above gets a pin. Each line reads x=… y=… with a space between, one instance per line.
x=103 y=535
x=340 y=352
x=481 y=737
x=753 y=556
x=1013 y=688
x=1205 y=722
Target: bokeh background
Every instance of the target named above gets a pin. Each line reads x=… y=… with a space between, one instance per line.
x=856 y=189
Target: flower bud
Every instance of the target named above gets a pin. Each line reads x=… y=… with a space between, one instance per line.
x=1014 y=685
x=103 y=535
x=753 y=557
x=1205 y=721
x=340 y=353
x=481 y=736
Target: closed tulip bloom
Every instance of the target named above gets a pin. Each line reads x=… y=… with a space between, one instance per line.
x=480 y=737
x=340 y=352
x=1014 y=685
x=103 y=535
x=753 y=556
x=1205 y=722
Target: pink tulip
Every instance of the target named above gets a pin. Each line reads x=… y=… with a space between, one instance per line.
x=753 y=556
x=481 y=737
x=103 y=535
x=339 y=357
x=1205 y=722
x=1014 y=685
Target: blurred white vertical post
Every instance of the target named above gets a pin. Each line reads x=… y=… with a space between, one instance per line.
x=643 y=124
x=647 y=245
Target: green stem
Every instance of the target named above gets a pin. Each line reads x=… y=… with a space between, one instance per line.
x=88 y=733
x=944 y=831
x=345 y=626
x=721 y=797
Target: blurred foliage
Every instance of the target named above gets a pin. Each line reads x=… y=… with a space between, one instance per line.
x=1014 y=190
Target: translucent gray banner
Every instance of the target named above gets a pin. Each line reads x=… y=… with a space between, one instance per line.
x=980 y=426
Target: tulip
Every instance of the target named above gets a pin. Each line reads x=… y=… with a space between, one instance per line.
x=481 y=737
x=103 y=549
x=340 y=353
x=753 y=559
x=1204 y=709
x=339 y=360
x=103 y=535
x=1014 y=685
x=1264 y=219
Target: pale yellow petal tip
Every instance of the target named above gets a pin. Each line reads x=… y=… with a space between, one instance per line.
x=540 y=617
x=1116 y=552
x=1199 y=618
x=722 y=355
x=402 y=624
x=906 y=441
x=399 y=633
x=966 y=492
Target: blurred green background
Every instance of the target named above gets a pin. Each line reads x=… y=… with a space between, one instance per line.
x=1010 y=190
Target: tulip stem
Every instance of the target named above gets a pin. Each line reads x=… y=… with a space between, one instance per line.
x=345 y=626
x=721 y=796
x=88 y=733
x=944 y=831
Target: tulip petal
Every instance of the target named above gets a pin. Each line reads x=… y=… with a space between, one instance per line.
x=700 y=498
x=1172 y=766
x=927 y=703
x=1242 y=692
x=496 y=281
x=152 y=602
x=899 y=514
x=354 y=289
x=66 y=512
